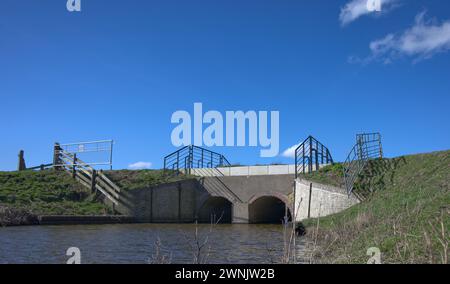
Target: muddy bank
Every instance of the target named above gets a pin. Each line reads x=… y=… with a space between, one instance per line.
x=16 y=217
x=19 y=217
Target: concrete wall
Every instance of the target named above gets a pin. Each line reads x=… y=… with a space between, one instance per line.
x=244 y=190
x=325 y=200
x=182 y=201
x=246 y=170
x=168 y=203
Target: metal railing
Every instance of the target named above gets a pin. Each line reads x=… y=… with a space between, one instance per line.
x=191 y=156
x=95 y=153
x=309 y=155
x=368 y=146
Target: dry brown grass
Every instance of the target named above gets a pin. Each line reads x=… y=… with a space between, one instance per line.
x=16 y=217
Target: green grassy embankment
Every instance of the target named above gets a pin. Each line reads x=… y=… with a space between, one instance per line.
x=138 y=179
x=331 y=175
x=27 y=194
x=406 y=214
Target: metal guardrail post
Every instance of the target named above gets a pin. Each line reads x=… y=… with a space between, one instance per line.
x=296 y=170
x=379 y=145
x=211 y=159
x=303 y=158
x=202 y=156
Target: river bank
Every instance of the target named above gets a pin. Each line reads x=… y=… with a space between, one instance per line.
x=27 y=195
x=405 y=214
x=10 y=217
x=16 y=217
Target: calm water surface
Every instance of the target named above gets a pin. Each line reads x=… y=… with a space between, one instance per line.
x=135 y=243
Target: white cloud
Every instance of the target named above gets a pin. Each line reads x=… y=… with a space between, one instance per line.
x=290 y=152
x=423 y=40
x=140 y=166
x=358 y=8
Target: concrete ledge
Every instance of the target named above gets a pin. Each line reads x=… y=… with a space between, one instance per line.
x=320 y=186
x=84 y=220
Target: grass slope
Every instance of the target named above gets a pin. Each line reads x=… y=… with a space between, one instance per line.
x=47 y=193
x=137 y=179
x=331 y=174
x=406 y=214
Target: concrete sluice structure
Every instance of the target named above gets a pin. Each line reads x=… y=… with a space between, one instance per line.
x=256 y=194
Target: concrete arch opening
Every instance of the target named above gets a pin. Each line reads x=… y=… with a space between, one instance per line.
x=268 y=210
x=215 y=210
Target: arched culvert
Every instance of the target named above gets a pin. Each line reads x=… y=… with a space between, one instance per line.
x=215 y=210
x=268 y=210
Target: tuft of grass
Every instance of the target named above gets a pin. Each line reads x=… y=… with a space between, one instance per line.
x=406 y=214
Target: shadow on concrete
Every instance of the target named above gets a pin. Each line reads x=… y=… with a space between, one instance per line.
x=215 y=210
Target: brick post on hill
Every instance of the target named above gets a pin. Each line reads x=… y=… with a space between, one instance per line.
x=21 y=164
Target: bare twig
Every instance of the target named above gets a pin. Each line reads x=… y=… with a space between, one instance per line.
x=199 y=246
x=159 y=257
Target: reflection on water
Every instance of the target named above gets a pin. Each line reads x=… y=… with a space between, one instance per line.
x=135 y=243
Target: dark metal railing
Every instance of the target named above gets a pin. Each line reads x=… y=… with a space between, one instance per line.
x=309 y=155
x=367 y=147
x=190 y=157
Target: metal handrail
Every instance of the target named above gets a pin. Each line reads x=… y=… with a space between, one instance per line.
x=368 y=146
x=189 y=157
x=311 y=154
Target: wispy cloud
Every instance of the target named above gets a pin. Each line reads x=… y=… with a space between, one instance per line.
x=140 y=166
x=358 y=8
x=290 y=152
x=422 y=41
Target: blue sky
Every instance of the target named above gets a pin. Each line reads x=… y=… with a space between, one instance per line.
x=119 y=69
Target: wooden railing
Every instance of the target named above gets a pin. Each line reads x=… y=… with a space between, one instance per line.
x=22 y=166
x=87 y=175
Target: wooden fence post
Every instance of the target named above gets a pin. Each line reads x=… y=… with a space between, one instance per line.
x=56 y=156
x=94 y=176
x=74 y=166
x=21 y=165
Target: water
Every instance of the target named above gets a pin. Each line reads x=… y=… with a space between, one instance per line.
x=136 y=243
